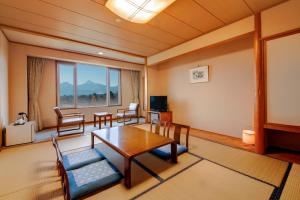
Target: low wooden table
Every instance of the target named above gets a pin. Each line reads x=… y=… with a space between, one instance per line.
x=131 y=141
x=104 y=115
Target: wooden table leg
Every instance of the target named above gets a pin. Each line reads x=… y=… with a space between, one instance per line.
x=99 y=122
x=148 y=120
x=174 y=152
x=110 y=120
x=92 y=140
x=105 y=120
x=127 y=172
x=94 y=120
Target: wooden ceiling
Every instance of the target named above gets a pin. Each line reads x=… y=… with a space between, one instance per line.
x=90 y=22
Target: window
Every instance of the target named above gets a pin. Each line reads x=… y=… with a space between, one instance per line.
x=91 y=85
x=85 y=85
x=66 y=85
x=114 y=86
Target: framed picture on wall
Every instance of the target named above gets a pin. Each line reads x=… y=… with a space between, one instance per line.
x=199 y=74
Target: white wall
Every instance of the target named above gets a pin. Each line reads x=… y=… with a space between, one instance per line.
x=223 y=105
x=283 y=82
x=3 y=83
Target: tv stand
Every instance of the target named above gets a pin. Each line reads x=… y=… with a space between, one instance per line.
x=162 y=116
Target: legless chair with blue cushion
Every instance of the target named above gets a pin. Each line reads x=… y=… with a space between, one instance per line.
x=164 y=152
x=78 y=159
x=160 y=124
x=88 y=179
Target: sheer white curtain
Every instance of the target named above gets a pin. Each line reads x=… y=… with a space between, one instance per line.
x=35 y=67
x=135 y=85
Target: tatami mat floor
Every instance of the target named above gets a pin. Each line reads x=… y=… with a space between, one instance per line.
x=209 y=171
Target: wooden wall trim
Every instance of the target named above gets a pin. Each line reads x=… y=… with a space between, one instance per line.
x=79 y=53
x=259 y=113
x=68 y=39
x=282 y=34
x=282 y=127
x=146 y=89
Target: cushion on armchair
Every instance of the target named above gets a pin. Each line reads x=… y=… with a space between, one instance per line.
x=133 y=106
x=78 y=159
x=72 y=120
x=92 y=177
x=164 y=152
x=127 y=114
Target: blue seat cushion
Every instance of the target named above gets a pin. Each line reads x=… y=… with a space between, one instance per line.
x=164 y=152
x=78 y=159
x=92 y=177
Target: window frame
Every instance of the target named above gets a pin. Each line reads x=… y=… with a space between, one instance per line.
x=119 y=88
x=58 y=84
x=75 y=80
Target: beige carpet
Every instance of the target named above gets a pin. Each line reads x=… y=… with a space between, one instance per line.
x=291 y=190
x=209 y=181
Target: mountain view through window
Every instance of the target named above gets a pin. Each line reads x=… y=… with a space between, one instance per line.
x=94 y=85
x=91 y=85
x=66 y=82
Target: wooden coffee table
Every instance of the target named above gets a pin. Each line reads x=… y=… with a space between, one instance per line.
x=104 y=115
x=130 y=142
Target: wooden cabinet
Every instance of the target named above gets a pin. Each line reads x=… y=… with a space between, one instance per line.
x=162 y=116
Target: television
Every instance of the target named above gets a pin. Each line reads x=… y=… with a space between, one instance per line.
x=158 y=103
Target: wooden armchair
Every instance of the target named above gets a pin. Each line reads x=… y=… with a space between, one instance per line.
x=70 y=119
x=128 y=113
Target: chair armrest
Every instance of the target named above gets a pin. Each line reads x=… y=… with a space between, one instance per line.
x=123 y=110
x=73 y=115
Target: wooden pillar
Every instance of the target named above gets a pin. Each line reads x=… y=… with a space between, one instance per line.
x=146 y=97
x=259 y=114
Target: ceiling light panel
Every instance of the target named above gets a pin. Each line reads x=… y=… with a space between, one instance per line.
x=137 y=11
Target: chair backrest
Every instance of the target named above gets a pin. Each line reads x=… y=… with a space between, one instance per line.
x=58 y=112
x=157 y=126
x=55 y=145
x=62 y=169
x=177 y=133
x=133 y=106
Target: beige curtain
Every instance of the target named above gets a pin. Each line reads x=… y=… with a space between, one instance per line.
x=135 y=85
x=35 y=67
x=1 y=123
